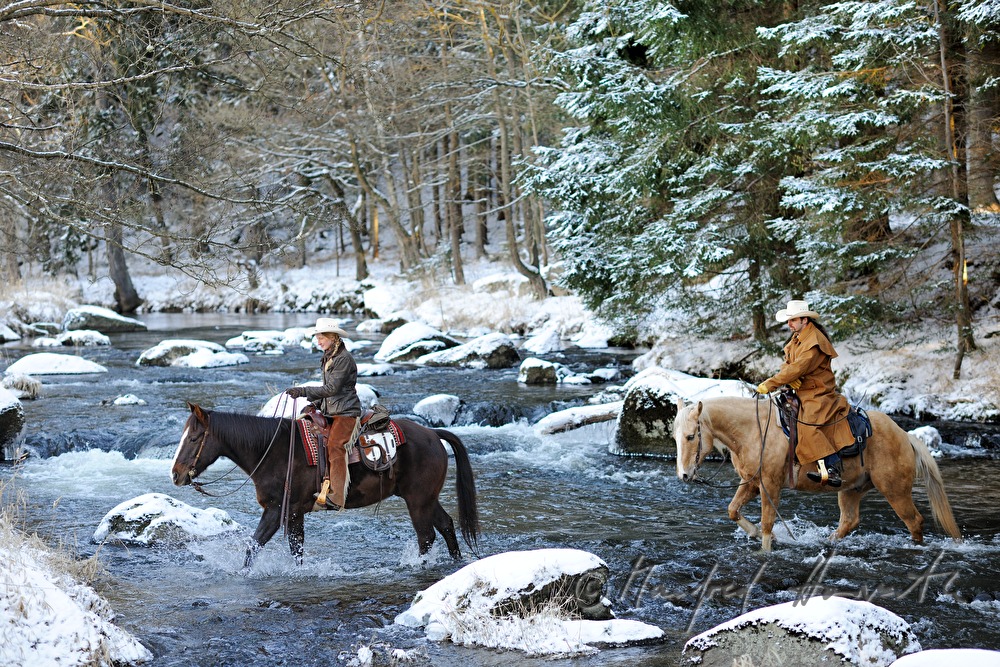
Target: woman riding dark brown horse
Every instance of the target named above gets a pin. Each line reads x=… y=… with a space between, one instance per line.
x=260 y=447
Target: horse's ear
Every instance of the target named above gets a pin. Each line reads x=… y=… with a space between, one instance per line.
x=680 y=404
x=697 y=410
x=198 y=413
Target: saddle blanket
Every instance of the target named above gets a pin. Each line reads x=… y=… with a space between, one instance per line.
x=377 y=447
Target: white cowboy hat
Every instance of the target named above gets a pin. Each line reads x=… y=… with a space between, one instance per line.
x=795 y=309
x=326 y=325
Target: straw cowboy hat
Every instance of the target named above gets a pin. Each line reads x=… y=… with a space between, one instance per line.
x=795 y=309
x=326 y=325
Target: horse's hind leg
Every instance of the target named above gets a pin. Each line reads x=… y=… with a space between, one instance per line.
x=445 y=526
x=902 y=503
x=850 y=512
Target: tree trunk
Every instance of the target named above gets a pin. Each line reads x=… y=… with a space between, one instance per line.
x=982 y=161
x=126 y=298
x=454 y=204
x=535 y=279
x=354 y=227
x=952 y=130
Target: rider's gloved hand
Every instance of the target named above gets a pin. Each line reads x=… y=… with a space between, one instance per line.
x=762 y=388
x=296 y=392
x=796 y=383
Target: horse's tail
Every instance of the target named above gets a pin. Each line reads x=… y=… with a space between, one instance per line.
x=465 y=487
x=940 y=507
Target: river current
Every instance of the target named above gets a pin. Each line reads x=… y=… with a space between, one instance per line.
x=676 y=560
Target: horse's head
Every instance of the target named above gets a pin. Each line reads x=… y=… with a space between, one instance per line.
x=691 y=451
x=188 y=462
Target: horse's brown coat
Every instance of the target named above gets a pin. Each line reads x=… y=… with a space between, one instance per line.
x=893 y=460
x=260 y=447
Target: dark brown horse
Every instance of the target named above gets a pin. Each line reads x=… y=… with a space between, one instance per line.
x=259 y=446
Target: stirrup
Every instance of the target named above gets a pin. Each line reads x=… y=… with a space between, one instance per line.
x=823 y=476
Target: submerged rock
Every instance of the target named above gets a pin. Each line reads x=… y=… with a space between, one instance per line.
x=11 y=420
x=816 y=632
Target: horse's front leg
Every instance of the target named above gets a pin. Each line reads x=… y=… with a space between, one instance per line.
x=296 y=536
x=770 y=493
x=744 y=494
x=266 y=528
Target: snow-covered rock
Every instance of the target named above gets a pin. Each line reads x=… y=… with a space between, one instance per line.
x=129 y=399
x=51 y=363
x=495 y=350
x=7 y=334
x=155 y=518
x=282 y=405
x=100 y=319
x=189 y=353
x=370 y=370
x=438 y=410
x=931 y=437
x=22 y=386
x=959 y=657
x=412 y=340
x=548 y=601
x=644 y=427
x=814 y=631
x=11 y=419
x=543 y=342
x=264 y=342
x=538 y=371
x=82 y=338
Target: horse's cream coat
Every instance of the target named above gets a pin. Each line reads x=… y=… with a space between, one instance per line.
x=749 y=430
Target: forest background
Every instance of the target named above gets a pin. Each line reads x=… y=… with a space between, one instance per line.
x=706 y=159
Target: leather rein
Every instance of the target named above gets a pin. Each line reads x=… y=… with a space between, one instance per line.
x=199 y=486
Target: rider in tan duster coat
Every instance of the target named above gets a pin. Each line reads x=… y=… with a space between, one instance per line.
x=823 y=428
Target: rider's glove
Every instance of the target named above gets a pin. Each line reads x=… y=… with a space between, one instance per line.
x=796 y=383
x=296 y=392
x=762 y=388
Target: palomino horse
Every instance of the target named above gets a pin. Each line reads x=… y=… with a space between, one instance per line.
x=259 y=446
x=748 y=429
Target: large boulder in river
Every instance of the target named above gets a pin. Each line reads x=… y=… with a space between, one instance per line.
x=538 y=371
x=155 y=518
x=100 y=319
x=50 y=363
x=811 y=632
x=189 y=353
x=522 y=599
x=413 y=340
x=645 y=426
x=495 y=350
x=11 y=420
x=645 y=423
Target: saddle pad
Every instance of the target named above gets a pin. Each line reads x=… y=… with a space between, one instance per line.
x=378 y=447
x=309 y=442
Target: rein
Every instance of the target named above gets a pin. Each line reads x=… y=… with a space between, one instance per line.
x=198 y=486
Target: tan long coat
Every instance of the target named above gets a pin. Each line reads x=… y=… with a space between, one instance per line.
x=823 y=427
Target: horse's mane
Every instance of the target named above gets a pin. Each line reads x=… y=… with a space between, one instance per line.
x=251 y=430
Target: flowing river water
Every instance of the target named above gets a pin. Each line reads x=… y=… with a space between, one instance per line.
x=676 y=560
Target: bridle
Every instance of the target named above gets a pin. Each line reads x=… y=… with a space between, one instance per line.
x=199 y=486
x=698 y=460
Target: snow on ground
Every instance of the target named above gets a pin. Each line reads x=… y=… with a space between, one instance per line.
x=47 y=617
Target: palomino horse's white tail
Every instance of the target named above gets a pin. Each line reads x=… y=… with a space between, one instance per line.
x=940 y=507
